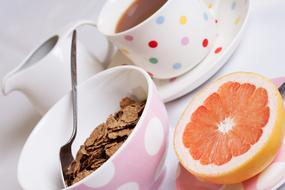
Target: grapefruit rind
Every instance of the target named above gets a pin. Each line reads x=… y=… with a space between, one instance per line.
x=258 y=157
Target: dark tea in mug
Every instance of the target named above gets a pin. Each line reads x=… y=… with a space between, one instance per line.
x=137 y=12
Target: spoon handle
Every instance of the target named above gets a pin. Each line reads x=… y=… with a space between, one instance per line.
x=74 y=83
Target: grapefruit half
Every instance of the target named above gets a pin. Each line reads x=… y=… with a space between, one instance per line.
x=232 y=129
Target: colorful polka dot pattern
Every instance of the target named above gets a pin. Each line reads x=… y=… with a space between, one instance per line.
x=150 y=142
x=154 y=132
x=218 y=50
x=210 y=5
x=205 y=42
x=237 y=21
x=160 y=20
x=153 y=60
x=153 y=44
x=184 y=41
x=205 y=16
x=183 y=20
x=129 y=38
x=177 y=66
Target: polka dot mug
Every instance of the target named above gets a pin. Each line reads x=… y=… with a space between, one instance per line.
x=169 y=43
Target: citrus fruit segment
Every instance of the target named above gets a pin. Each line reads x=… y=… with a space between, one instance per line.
x=231 y=118
x=231 y=130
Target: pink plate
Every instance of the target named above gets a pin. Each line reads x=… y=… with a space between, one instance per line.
x=271 y=178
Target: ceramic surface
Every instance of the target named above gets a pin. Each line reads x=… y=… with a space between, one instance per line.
x=170 y=42
x=44 y=75
x=232 y=17
x=138 y=164
x=20 y=32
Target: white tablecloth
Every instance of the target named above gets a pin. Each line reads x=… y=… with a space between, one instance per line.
x=23 y=24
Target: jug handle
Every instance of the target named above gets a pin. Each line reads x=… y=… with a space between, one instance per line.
x=72 y=26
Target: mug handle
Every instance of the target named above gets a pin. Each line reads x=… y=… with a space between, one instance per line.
x=66 y=31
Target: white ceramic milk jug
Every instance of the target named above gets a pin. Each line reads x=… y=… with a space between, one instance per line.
x=44 y=75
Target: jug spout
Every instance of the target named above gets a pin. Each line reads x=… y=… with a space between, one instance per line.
x=13 y=80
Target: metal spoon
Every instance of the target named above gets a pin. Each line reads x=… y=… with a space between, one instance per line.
x=65 y=152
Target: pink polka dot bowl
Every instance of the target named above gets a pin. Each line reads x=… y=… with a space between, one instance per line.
x=137 y=165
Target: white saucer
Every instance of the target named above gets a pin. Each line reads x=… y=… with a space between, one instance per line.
x=232 y=19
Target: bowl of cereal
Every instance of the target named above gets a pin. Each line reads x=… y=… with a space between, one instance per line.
x=121 y=141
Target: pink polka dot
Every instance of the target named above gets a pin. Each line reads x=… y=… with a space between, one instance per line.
x=185 y=41
x=205 y=42
x=150 y=74
x=129 y=38
x=218 y=50
x=153 y=44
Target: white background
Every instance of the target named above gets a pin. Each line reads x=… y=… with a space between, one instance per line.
x=25 y=23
